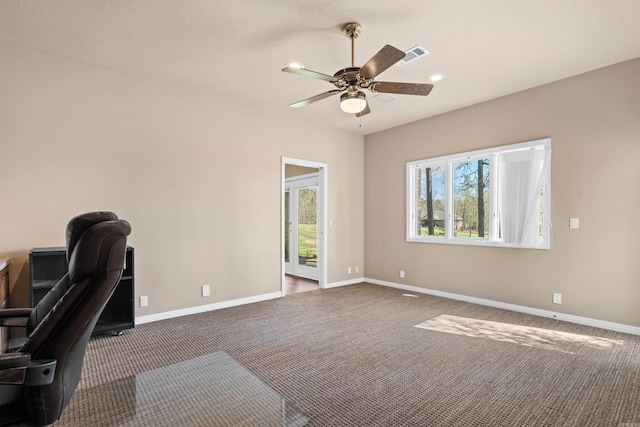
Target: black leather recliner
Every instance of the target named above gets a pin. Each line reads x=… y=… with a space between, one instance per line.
x=38 y=379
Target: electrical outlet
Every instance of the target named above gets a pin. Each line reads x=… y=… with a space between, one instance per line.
x=348 y=270
x=557 y=298
x=144 y=301
x=402 y=274
x=357 y=269
x=206 y=290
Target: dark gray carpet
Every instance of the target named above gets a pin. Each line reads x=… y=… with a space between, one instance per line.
x=353 y=356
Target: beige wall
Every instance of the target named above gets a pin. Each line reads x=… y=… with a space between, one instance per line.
x=594 y=122
x=200 y=187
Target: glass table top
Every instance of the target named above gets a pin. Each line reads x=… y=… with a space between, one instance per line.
x=211 y=390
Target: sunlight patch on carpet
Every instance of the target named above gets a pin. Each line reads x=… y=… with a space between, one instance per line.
x=515 y=334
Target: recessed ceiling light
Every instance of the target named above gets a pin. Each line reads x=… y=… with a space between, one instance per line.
x=295 y=65
x=435 y=77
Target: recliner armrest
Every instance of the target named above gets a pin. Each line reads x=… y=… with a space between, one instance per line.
x=18 y=368
x=11 y=317
x=13 y=367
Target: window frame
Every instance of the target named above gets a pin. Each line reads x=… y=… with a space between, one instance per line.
x=493 y=238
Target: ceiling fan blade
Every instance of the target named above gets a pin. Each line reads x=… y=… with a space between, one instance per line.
x=309 y=73
x=366 y=110
x=421 y=89
x=385 y=58
x=313 y=99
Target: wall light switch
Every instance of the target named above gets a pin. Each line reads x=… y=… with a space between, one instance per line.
x=574 y=223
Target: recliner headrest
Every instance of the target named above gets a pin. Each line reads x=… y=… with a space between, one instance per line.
x=101 y=248
x=79 y=224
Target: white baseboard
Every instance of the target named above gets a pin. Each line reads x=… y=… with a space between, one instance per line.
x=226 y=304
x=344 y=283
x=618 y=327
x=204 y=308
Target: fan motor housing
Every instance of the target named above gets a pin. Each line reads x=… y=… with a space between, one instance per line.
x=350 y=77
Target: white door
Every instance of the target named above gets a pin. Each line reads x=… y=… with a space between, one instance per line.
x=301 y=226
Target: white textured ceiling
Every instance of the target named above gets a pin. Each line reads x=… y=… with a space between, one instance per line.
x=225 y=48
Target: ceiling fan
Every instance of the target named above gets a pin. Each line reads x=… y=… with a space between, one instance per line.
x=350 y=81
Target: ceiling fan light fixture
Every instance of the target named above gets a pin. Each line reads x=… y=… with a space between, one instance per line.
x=353 y=102
x=351 y=81
x=435 y=77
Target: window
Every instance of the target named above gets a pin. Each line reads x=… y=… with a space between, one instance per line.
x=494 y=197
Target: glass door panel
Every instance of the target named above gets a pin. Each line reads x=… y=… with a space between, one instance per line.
x=287 y=224
x=307 y=226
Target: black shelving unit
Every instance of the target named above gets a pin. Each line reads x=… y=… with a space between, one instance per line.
x=48 y=265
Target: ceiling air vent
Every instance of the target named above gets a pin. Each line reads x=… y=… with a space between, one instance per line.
x=412 y=54
x=385 y=97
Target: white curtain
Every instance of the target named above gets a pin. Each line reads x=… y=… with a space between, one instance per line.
x=522 y=173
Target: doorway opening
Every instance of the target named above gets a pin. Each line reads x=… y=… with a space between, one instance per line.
x=303 y=225
x=296 y=284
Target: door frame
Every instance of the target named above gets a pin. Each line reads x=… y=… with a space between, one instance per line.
x=323 y=173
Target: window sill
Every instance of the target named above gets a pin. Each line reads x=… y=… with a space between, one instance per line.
x=466 y=241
